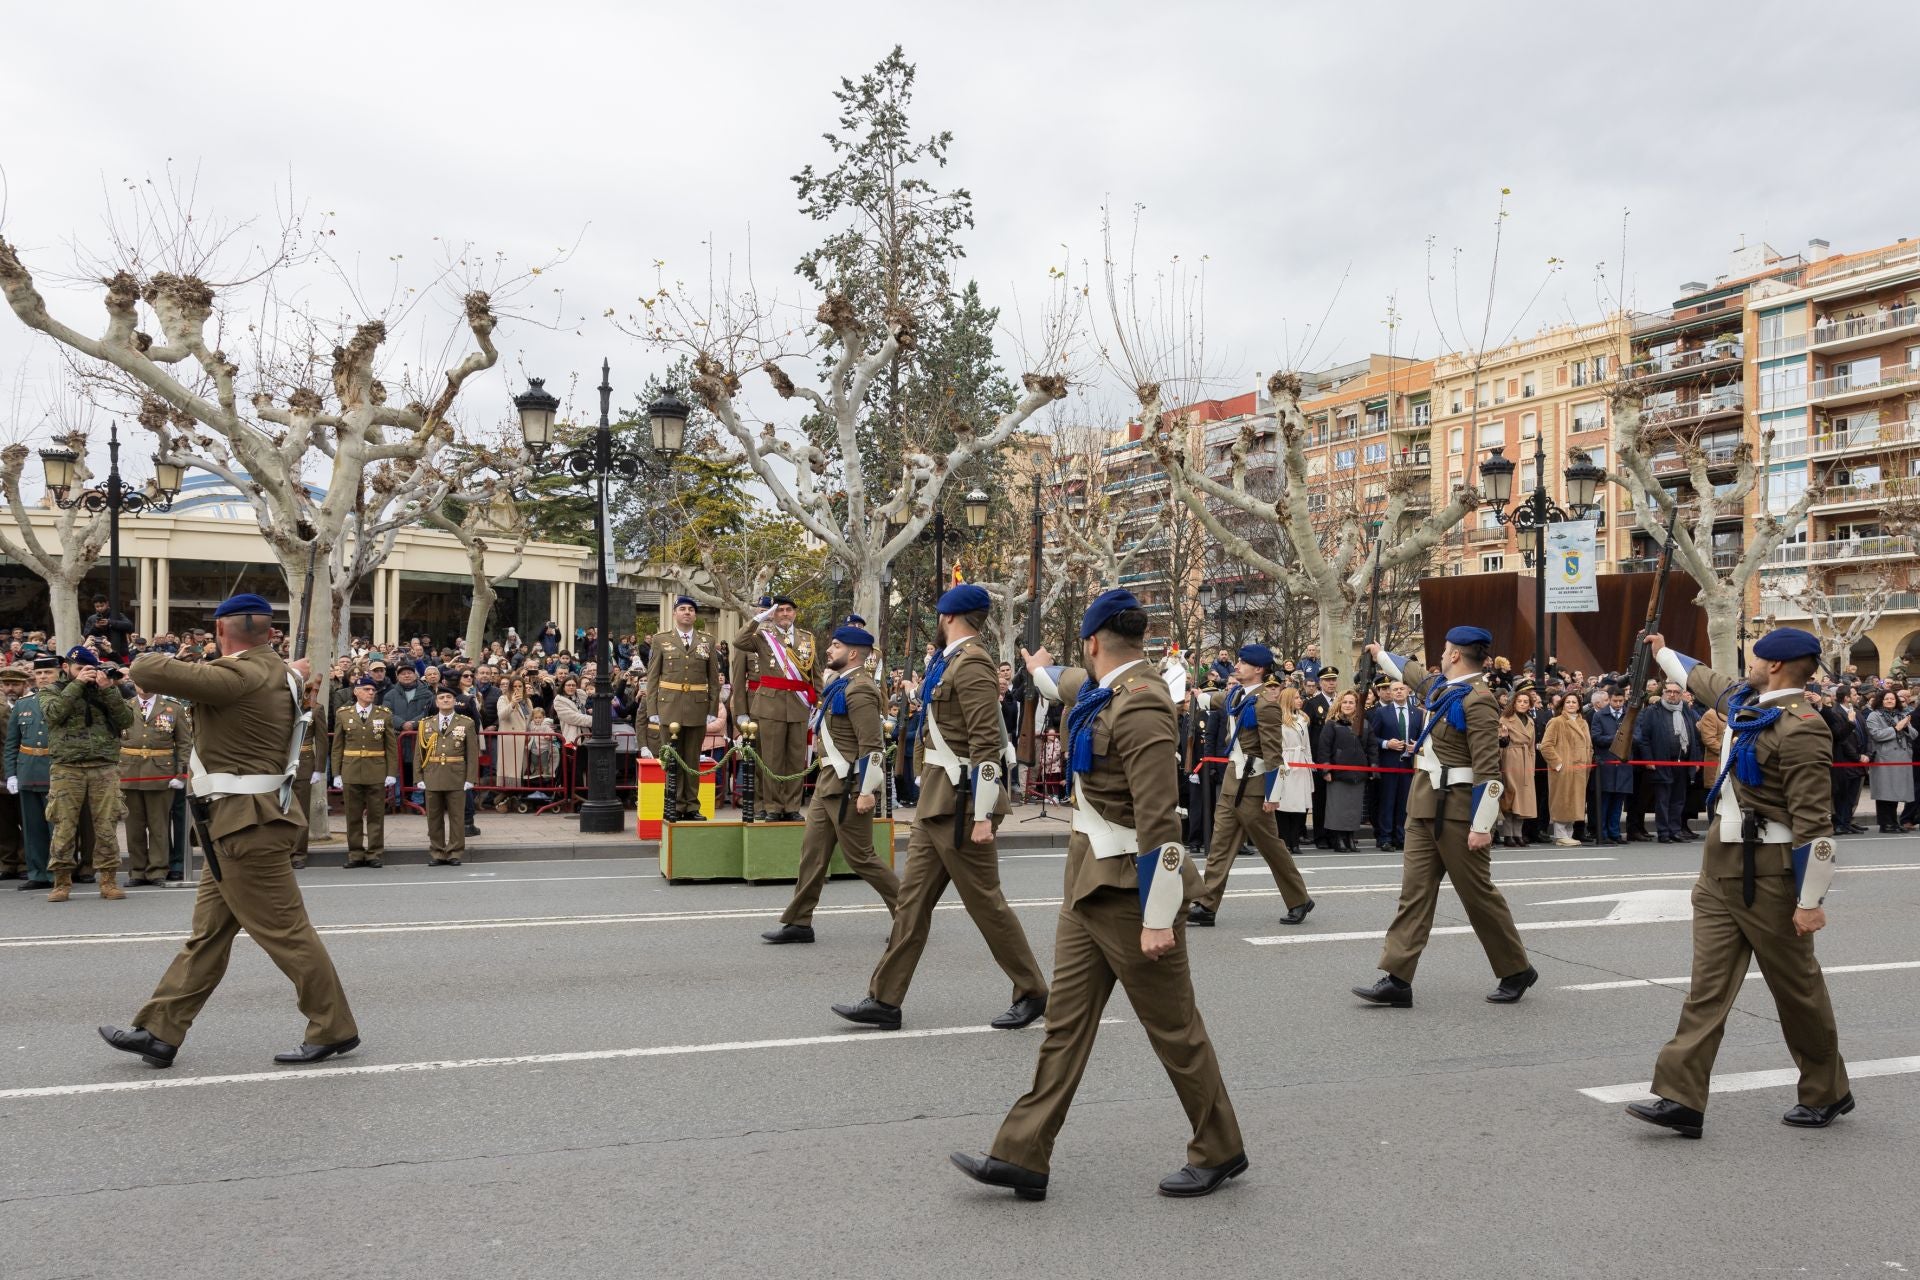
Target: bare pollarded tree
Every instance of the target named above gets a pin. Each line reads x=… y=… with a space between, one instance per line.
x=80 y=537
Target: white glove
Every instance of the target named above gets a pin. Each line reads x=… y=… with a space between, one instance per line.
x=468 y=786
x=338 y=784
x=178 y=784
x=653 y=719
x=13 y=786
x=318 y=779
x=392 y=781
x=764 y=614
x=646 y=753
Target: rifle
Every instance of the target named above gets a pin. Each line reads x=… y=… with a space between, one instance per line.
x=1029 y=745
x=1363 y=670
x=1642 y=653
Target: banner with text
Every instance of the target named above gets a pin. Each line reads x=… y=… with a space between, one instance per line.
x=1570 y=553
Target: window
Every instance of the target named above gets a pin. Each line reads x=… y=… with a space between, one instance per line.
x=1913 y=357
x=1316 y=502
x=1579 y=370
x=1423 y=413
x=1317 y=465
x=1343 y=459
x=1375 y=453
x=1493 y=434
x=1492 y=563
x=1599 y=368
x=1529 y=425
x=1526 y=481
x=1591 y=416
x=1597 y=454
x=1489 y=518
x=1480 y=394
x=1783 y=386
x=1856 y=373
x=1376 y=491
x=1456 y=437
x=1453 y=482
x=1526 y=385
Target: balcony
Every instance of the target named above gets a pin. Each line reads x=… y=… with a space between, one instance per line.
x=1843 y=605
x=1879 y=435
x=1639 y=564
x=1849 y=389
x=1495 y=534
x=1835 y=550
x=1851 y=333
x=1858 y=494
x=1725 y=402
x=1718 y=457
x=1223 y=434
x=1773 y=348
x=1716 y=355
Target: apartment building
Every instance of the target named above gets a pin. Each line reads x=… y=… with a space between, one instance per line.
x=1165 y=569
x=1551 y=390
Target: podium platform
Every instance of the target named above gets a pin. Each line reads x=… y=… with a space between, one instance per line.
x=757 y=852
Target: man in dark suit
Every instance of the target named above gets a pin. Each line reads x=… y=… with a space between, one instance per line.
x=1318 y=707
x=1668 y=730
x=1613 y=779
x=1849 y=745
x=1393 y=727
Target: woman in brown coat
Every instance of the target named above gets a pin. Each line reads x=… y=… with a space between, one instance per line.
x=1567 y=747
x=1516 y=769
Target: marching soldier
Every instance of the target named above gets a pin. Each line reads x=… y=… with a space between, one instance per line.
x=446 y=761
x=1763 y=878
x=247 y=708
x=1451 y=812
x=85 y=717
x=1250 y=790
x=961 y=756
x=1127 y=875
x=780 y=697
x=366 y=762
x=153 y=762
x=683 y=684
x=310 y=779
x=29 y=769
x=852 y=766
x=13 y=861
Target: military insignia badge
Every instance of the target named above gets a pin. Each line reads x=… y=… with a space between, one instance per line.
x=1170 y=858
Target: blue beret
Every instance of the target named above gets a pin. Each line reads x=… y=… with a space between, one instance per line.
x=854 y=637
x=366 y=682
x=245 y=604
x=855 y=620
x=766 y=602
x=1784 y=644
x=1469 y=635
x=688 y=600
x=1104 y=607
x=1257 y=654
x=83 y=656
x=964 y=597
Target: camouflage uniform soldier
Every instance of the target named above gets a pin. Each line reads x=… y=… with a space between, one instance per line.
x=87 y=716
x=13 y=865
x=28 y=770
x=153 y=762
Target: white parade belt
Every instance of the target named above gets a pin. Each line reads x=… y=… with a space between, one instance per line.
x=1108 y=839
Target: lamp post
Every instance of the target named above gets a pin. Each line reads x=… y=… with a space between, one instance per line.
x=1530 y=520
x=113 y=497
x=1234 y=595
x=974 y=504
x=599 y=460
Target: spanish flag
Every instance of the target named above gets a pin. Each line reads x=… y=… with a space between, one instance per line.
x=958 y=577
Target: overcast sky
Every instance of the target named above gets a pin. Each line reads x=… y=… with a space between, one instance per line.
x=1292 y=145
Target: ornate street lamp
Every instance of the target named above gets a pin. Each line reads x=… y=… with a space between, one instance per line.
x=114 y=496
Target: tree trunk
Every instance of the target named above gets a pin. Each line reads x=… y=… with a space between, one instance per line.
x=1337 y=640
x=477 y=613
x=63 y=594
x=867 y=597
x=1722 y=606
x=321 y=650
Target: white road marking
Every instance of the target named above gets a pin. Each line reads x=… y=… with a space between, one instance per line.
x=1745 y=1081
x=1377 y=934
x=1687 y=981
x=296 y=1075
x=1259 y=868
x=1643 y=906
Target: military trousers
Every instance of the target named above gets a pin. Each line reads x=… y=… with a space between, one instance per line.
x=935 y=860
x=257 y=892
x=782 y=745
x=1247 y=820
x=366 y=806
x=853 y=834
x=446 y=824
x=303 y=794
x=12 y=848
x=149 y=819
x=1426 y=862
x=1727 y=933
x=1096 y=943
x=36 y=834
x=79 y=792
x=686 y=781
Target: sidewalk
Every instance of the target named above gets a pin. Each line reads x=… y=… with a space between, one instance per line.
x=556 y=836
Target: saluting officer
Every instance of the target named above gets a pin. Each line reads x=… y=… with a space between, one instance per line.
x=1451 y=812
x=851 y=766
x=446 y=761
x=961 y=757
x=1250 y=791
x=366 y=762
x=247 y=709
x=29 y=768
x=153 y=760
x=1127 y=875
x=781 y=696
x=13 y=861
x=1763 y=878
x=85 y=717
x=683 y=684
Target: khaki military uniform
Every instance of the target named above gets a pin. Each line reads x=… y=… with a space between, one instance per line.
x=27 y=760
x=683 y=688
x=153 y=751
x=366 y=752
x=965 y=709
x=781 y=705
x=1438 y=822
x=243 y=724
x=85 y=723
x=1240 y=813
x=445 y=760
x=312 y=753
x=834 y=817
x=1794 y=802
x=13 y=862
x=1133 y=786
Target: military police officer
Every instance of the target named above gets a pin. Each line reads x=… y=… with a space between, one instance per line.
x=366 y=762
x=851 y=766
x=780 y=696
x=1127 y=876
x=446 y=761
x=85 y=717
x=153 y=765
x=29 y=769
x=1764 y=876
x=683 y=686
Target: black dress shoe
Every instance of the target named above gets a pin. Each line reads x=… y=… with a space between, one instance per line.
x=1684 y=1121
x=373 y=862
x=872 y=1013
x=1389 y=991
x=1296 y=915
x=1806 y=1117
x=156 y=1052
x=1193 y=1181
x=790 y=933
x=693 y=815
x=1024 y=1183
x=317 y=1052
x=473 y=829
x=34 y=886
x=1199 y=916
x=11 y=875
x=83 y=877
x=1022 y=1013
x=1513 y=986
